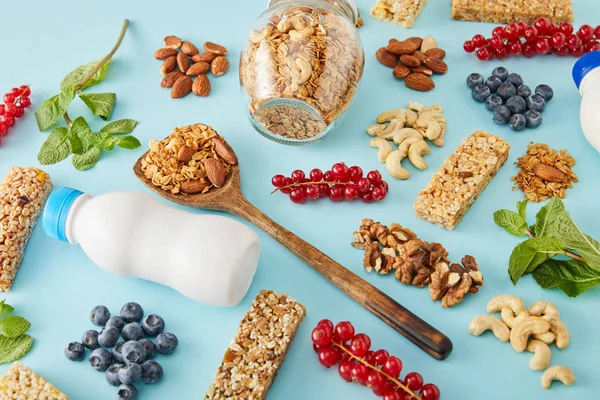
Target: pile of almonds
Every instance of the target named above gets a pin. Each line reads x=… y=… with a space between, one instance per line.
x=414 y=60
x=183 y=61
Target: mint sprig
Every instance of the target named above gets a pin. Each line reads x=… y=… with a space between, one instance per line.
x=14 y=343
x=554 y=233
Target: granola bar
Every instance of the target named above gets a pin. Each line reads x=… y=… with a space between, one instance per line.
x=22 y=383
x=258 y=349
x=461 y=179
x=22 y=196
x=400 y=12
x=507 y=11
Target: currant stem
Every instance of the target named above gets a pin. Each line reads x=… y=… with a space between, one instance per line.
x=568 y=253
x=310 y=183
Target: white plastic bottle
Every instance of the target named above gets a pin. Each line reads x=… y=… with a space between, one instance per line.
x=208 y=258
x=586 y=74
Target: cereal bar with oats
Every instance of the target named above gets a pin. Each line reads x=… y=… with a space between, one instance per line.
x=461 y=179
x=22 y=197
x=507 y=11
x=255 y=355
x=22 y=383
x=400 y=12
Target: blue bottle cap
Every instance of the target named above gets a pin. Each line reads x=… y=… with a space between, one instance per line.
x=56 y=211
x=584 y=65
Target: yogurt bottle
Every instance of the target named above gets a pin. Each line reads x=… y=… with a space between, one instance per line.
x=586 y=74
x=208 y=258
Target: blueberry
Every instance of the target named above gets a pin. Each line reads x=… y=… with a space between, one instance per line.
x=536 y=102
x=515 y=79
x=108 y=337
x=481 y=92
x=132 y=312
x=116 y=352
x=133 y=352
x=517 y=122
x=132 y=331
x=99 y=315
x=166 y=343
x=474 y=80
x=130 y=373
x=502 y=115
x=74 y=351
x=493 y=101
x=150 y=348
x=533 y=118
x=90 y=339
x=545 y=91
x=100 y=359
x=127 y=392
x=506 y=91
x=524 y=91
x=112 y=374
x=152 y=372
x=493 y=82
x=116 y=322
x=501 y=73
x=153 y=325
x=516 y=104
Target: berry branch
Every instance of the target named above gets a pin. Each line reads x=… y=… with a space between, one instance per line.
x=293 y=185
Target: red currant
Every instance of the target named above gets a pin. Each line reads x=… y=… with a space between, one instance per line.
x=414 y=381
x=278 y=181
x=542 y=46
x=351 y=192
x=287 y=190
x=2 y=109
x=479 y=40
x=384 y=186
x=326 y=323
x=374 y=177
x=522 y=26
x=363 y=185
x=573 y=41
x=511 y=31
x=328 y=357
x=484 y=54
x=530 y=34
x=328 y=176
x=24 y=101
x=514 y=47
x=501 y=53
x=345 y=370
x=323 y=189
x=312 y=192
x=16 y=91
x=336 y=193
x=3 y=128
x=321 y=336
x=25 y=91
x=469 y=46
x=9 y=120
x=592 y=45
x=578 y=51
x=379 y=390
x=381 y=356
x=562 y=51
x=497 y=42
x=298 y=176
x=359 y=346
x=585 y=33
x=355 y=173
x=365 y=337
x=597 y=32
x=369 y=358
x=566 y=28
x=375 y=379
x=366 y=197
x=378 y=193
x=344 y=331
x=543 y=25
x=9 y=98
x=11 y=109
x=394 y=396
x=298 y=196
x=340 y=172
x=21 y=111
x=315 y=348
x=392 y=366
x=316 y=175
x=430 y=392
x=360 y=373
x=498 y=32
x=558 y=40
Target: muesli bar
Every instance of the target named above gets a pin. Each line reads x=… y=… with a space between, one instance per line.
x=400 y=12
x=461 y=179
x=22 y=197
x=507 y=11
x=22 y=383
x=258 y=349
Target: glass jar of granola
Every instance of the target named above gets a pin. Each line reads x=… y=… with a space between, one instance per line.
x=301 y=67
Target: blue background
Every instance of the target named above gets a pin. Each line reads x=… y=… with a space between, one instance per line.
x=58 y=285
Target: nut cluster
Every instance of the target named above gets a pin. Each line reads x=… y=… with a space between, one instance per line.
x=182 y=61
x=414 y=60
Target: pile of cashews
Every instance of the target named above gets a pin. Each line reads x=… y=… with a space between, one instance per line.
x=540 y=322
x=407 y=128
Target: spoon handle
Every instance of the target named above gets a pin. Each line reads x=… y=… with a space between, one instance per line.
x=429 y=339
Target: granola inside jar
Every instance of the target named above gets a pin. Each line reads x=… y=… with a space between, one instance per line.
x=301 y=67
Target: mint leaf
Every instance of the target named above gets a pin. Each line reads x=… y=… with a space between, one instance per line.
x=75 y=143
x=522 y=209
x=108 y=144
x=512 y=222
x=5 y=308
x=572 y=277
x=86 y=160
x=82 y=130
x=74 y=77
x=100 y=104
x=56 y=147
x=54 y=108
x=546 y=218
x=120 y=126
x=528 y=255
x=11 y=349
x=128 y=142
x=13 y=326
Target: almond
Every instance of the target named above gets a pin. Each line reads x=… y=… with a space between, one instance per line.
x=401 y=71
x=224 y=151
x=172 y=42
x=182 y=87
x=204 y=57
x=419 y=56
x=183 y=62
x=189 y=49
x=169 y=65
x=386 y=58
x=185 y=154
x=164 y=53
x=401 y=48
x=201 y=86
x=275 y=19
x=416 y=40
x=215 y=49
x=392 y=40
x=198 y=69
x=436 y=65
x=214 y=171
x=419 y=81
x=410 y=61
x=422 y=69
x=549 y=173
x=219 y=66
x=429 y=42
x=436 y=53
x=170 y=78
x=193 y=187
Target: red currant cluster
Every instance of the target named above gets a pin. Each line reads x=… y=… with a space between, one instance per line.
x=16 y=101
x=543 y=37
x=342 y=182
x=357 y=363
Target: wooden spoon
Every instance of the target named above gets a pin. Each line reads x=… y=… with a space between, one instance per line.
x=229 y=198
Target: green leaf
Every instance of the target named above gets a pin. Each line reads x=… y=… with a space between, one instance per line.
x=56 y=148
x=108 y=144
x=128 y=142
x=119 y=126
x=74 y=77
x=11 y=349
x=546 y=218
x=5 y=308
x=100 y=104
x=54 y=108
x=86 y=160
x=572 y=277
x=528 y=255
x=82 y=130
x=512 y=222
x=13 y=326
x=522 y=209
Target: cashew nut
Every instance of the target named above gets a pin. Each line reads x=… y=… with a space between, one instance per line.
x=385 y=148
x=415 y=153
x=406 y=133
x=439 y=142
x=394 y=167
x=560 y=330
x=438 y=116
x=285 y=25
x=301 y=72
x=301 y=34
x=259 y=36
x=547 y=338
x=482 y=323
x=415 y=106
x=526 y=327
x=387 y=116
x=509 y=317
x=515 y=303
x=541 y=357
x=541 y=307
x=558 y=373
x=386 y=132
x=429 y=127
x=374 y=129
x=406 y=143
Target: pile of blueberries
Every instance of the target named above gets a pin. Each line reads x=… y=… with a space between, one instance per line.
x=130 y=360
x=509 y=99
